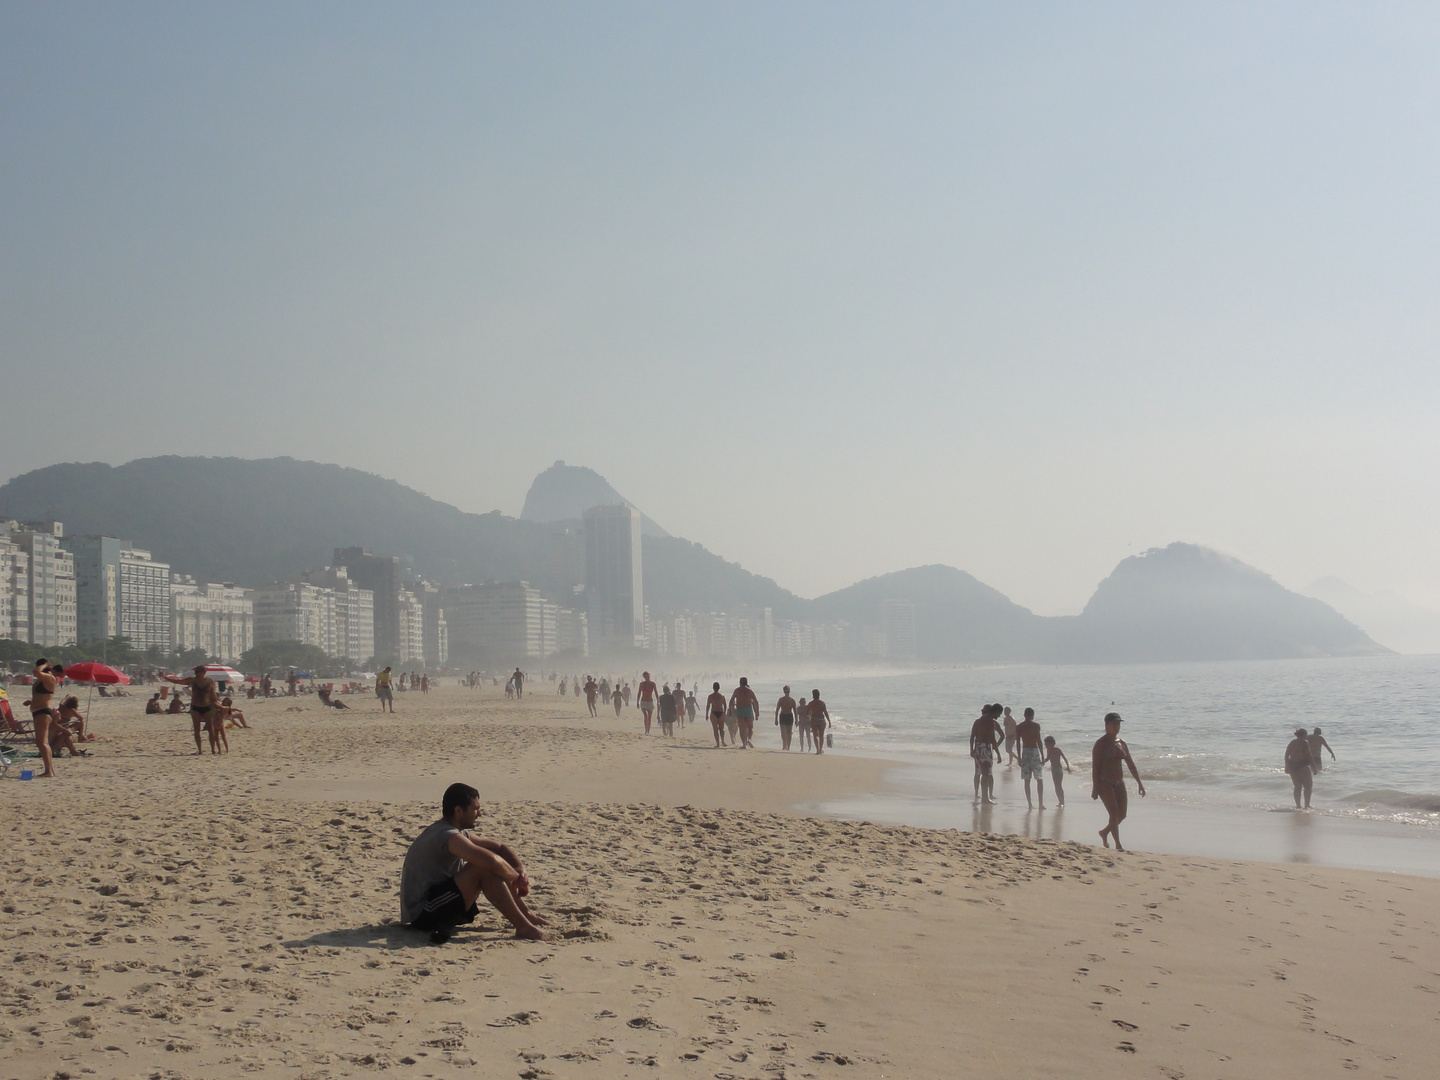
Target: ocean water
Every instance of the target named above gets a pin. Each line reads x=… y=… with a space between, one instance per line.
x=1212 y=734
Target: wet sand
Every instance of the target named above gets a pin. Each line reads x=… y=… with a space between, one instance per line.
x=174 y=916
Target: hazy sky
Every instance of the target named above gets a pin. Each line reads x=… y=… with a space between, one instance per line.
x=832 y=289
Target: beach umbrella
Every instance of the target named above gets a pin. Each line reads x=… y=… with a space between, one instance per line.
x=223 y=673
x=92 y=671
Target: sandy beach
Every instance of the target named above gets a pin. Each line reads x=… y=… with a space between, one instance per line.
x=169 y=916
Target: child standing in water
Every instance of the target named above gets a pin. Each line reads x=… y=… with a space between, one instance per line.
x=1057 y=771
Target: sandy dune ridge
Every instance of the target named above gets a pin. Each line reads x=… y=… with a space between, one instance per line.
x=173 y=916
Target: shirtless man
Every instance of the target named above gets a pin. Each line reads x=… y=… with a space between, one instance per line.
x=519 y=678
x=986 y=736
x=1010 y=726
x=1108 y=760
x=592 y=691
x=679 y=694
x=1317 y=743
x=646 y=699
x=715 y=709
x=617 y=698
x=819 y=717
x=204 y=709
x=785 y=710
x=746 y=706
x=1032 y=756
x=47 y=678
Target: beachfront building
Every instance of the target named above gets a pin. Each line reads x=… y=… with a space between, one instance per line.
x=501 y=622
x=354 y=613
x=120 y=589
x=14 y=591
x=435 y=633
x=295 y=611
x=613 y=577
x=48 y=584
x=572 y=632
x=218 y=618
x=897 y=624
x=383 y=576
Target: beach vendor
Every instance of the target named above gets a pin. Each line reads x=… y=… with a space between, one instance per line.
x=448 y=867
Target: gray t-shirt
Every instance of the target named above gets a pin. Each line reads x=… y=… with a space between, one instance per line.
x=428 y=861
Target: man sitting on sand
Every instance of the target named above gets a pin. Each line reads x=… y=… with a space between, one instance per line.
x=153 y=706
x=448 y=867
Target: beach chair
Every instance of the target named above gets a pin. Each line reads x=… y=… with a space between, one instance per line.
x=10 y=754
x=8 y=724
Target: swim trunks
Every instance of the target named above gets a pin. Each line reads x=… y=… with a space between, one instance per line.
x=984 y=758
x=1056 y=772
x=786 y=719
x=1030 y=763
x=744 y=712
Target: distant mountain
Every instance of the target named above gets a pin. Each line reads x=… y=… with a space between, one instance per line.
x=564 y=492
x=251 y=522
x=956 y=616
x=1389 y=619
x=1186 y=602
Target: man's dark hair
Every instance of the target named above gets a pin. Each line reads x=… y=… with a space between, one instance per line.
x=1109 y=716
x=1029 y=713
x=456 y=796
x=42 y=660
x=57 y=669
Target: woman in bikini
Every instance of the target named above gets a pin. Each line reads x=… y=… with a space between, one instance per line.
x=1108 y=762
x=43 y=716
x=715 y=706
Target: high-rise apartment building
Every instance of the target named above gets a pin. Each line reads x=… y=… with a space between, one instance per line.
x=97 y=586
x=410 y=628
x=49 y=582
x=120 y=589
x=504 y=622
x=354 y=613
x=382 y=575
x=143 y=587
x=14 y=588
x=217 y=618
x=295 y=611
x=613 y=577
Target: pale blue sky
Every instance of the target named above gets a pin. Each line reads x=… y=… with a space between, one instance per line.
x=833 y=289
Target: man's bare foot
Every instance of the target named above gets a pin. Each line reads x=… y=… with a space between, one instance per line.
x=531 y=933
x=1105 y=837
x=1117 y=844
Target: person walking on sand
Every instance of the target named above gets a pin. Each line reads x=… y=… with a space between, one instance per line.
x=1108 y=761
x=1299 y=764
x=818 y=714
x=667 y=712
x=204 y=709
x=1317 y=743
x=519 y=679
x=1009 y=725
x=42 y=716
x=385 y=691
x=617 y=698
x=646 y=700
x=745 y=705
x=785 y=710
x=1057 y=773
x=592 y=691
x=679 y=693
x=1032 y=757
x=715 y=709
x=448 y=867
x=691 y=707
x=986 y=737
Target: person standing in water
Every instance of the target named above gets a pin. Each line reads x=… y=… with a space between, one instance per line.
x=986 y=737
x=1057 y=771
x=1108 y=761
x=785 y=710
x=1299 y=764
x=1032 y=756
x=1009 y=725
x=819 y=717
x=1317 y=743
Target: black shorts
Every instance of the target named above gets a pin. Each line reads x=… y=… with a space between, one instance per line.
x=444 y=907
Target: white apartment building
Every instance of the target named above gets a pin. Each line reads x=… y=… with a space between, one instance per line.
x=49 y=583
x=143 y=588
x=354 y=613
x=217 y=618
x=14 y=589
x=295 y=611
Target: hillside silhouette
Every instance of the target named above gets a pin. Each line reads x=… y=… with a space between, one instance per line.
x=562 y=493
x=252 y=522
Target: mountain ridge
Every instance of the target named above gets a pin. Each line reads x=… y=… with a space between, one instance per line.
x=261 y=520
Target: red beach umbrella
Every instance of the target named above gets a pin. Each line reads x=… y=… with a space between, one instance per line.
x=92 y=671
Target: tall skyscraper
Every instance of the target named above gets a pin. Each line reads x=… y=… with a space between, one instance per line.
x=613 y=579
x=120 y=589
